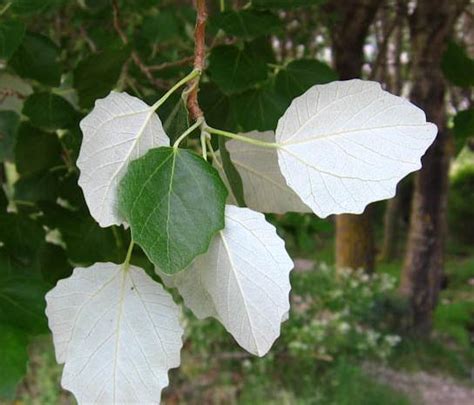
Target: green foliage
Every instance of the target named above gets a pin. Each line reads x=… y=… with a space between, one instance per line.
x=174 y=202
x=258 y=109
x=36 y=150
x=49 y=111
x=11 y=35
x=14 y=354
x=247 y=24
x=95 y=75
x=234 y=69
x=456 y=320
x=461 y=206
x=299 y=75
x=463 y=127
x=37 y=58
x=457 y=66
x=9 y=122
x=288 y=4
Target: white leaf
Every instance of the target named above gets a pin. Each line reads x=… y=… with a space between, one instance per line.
x=243 y=280
x=119 y=129
x=265 y=188
x=118 y=333
x=346 y=144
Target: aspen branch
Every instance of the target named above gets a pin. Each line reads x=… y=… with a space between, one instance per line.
x=182 y=62
x=199 y=58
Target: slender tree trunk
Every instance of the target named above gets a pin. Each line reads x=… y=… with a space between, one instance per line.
x=354 y=237
x=430 y=27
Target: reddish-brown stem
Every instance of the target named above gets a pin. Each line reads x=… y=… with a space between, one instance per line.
x=199 y=58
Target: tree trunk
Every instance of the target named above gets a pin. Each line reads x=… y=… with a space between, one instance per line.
x=430 y=27
x=354 y=237
x=391 y=224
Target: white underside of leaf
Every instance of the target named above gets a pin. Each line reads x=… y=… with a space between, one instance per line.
x=346 y=144
x=118 y=333
x=119 y=129
x=243 y=280
x=265 y=189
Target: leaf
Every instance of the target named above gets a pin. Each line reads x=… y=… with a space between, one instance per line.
x=37 y=186
x=463 y=127
x=174 y=202
x=28 y=7
x=177 y=121
x=21 y=296
x=258 y=109
x=36 y=150
x=14 y=355
x=162 y=27
x=231 y=174
x=235 y=70
x=86 y=242
x=299 y=75
x=15 y=90
x=265 y=188
x=247 y=23
x=9 y=122
x=53 y=263
x=49 y=111
x=118 y=333
x=21 y=236
x=285 y=4
x=346 y=144
x=243 y=280
x=96 y=75
x=11 y=35
x=119 y=129
x=36 y=58
x=216 y=106
x=457 y=67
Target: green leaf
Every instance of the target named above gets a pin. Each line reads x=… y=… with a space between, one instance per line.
x=3 y=200
x=36 y=150
x=258 y=109
x=9 y=122
x=49 y=111
x=457 y=67
x=86 y=242
x=235 y=70
x=14 y=355
x=33 y=6
x=53 y=263
x=11 y=35
x=177 y=121
x=463 y=127
x=285 y=4
x=247 y=23
x=36 y=58
x=299 y=75
x=216 y=107
x=37 y=186
x=231 y=173
x=161 y=27
x=21 y=236
x=174 y=202
x=22 y=294
x=96 y=76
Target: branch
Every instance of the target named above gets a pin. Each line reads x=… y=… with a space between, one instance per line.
x=136 y=58
x=167 y=65
x=199 y=58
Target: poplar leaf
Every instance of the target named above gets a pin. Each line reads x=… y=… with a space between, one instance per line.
x=243 y=280
x=265 y=188
x=346 y=144
x=174 y=202
x=118 y=333
x=119 y=129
